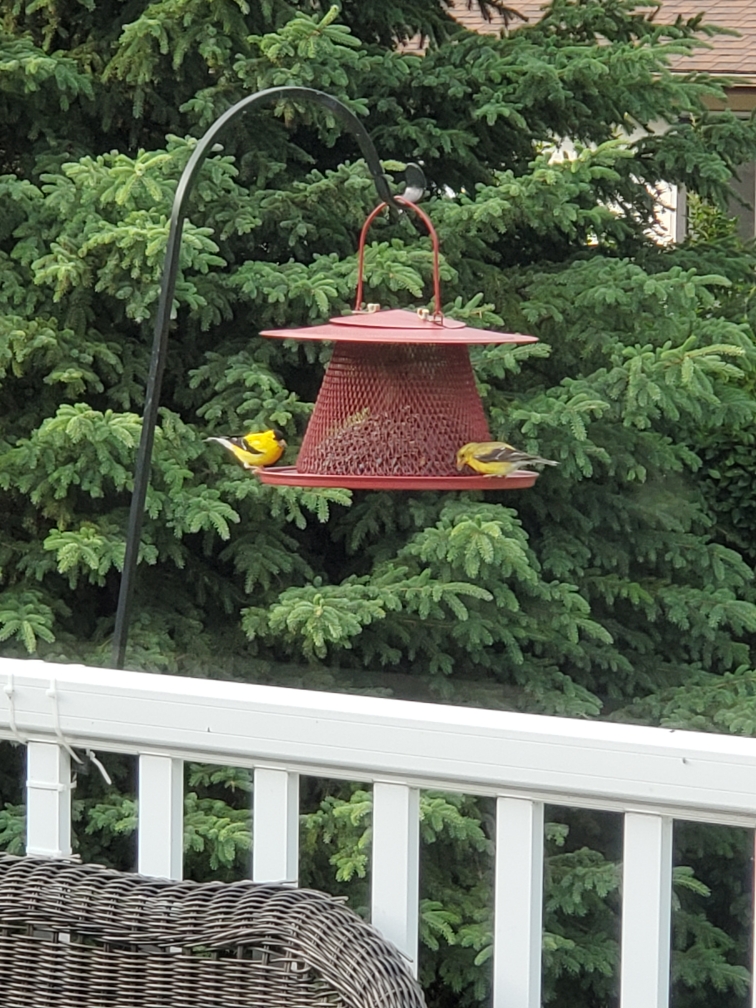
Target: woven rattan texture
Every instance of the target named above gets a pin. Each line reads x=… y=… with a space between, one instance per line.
x=82 y=936
x=390 y=409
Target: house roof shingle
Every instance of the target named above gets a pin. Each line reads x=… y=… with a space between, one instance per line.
x=728 y=55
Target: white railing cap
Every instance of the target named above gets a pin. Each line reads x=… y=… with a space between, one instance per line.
x=562 y=760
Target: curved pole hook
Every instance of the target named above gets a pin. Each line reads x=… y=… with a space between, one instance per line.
x=413 y=192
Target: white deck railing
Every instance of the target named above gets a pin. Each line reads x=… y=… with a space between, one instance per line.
x=651 y=775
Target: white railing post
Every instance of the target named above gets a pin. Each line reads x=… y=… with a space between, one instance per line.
x=275 y=826
x=395 y=865
x=48 y=800
x=646 y=911
x=518 y=904
x=160 y=836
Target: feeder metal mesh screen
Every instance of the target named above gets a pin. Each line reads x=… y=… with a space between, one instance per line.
x=393 y=409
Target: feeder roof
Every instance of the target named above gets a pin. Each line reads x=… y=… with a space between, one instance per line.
x=397 y=325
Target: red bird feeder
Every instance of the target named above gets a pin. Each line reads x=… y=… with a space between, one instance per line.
x=398 y=399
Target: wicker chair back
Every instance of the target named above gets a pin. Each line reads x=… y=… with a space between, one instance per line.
x=83 y=936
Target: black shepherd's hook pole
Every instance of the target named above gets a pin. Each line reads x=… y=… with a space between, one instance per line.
x=165 y=303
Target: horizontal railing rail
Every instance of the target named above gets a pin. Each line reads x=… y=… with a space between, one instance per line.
x=650 y=775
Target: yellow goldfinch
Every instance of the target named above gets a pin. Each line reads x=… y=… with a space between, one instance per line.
x=255 y=450
x=496 y=458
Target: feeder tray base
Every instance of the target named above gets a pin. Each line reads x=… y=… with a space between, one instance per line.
x=521 y=479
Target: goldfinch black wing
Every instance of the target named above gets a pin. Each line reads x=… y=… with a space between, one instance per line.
x=500 y=453
x=503 y=452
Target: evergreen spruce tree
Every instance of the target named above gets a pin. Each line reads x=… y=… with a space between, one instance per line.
x=615 y=587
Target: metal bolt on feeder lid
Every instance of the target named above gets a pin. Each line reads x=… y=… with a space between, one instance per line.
x=398 y=398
